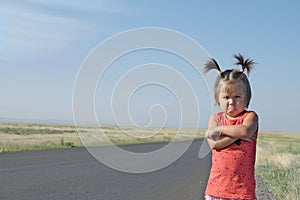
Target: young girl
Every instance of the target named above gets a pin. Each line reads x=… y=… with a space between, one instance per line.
x=232 y=135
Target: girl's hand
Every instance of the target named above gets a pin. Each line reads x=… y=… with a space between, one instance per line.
x=213 y=134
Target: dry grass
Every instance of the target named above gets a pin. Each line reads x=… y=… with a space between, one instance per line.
x=278 y=161
x=14 y=142
x=25 y=136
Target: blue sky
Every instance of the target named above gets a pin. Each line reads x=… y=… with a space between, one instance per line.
x=44 y=43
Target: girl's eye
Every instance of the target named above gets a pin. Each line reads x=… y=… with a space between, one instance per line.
x=225 y=97
x=237 y=97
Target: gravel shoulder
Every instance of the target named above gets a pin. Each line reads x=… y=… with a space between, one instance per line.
x=262 y=191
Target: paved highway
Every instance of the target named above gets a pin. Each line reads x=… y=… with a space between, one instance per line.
x=73 y=174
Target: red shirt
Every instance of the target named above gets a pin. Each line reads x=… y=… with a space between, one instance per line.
x=232 y=171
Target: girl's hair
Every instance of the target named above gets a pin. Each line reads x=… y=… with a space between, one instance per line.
x=232 y=76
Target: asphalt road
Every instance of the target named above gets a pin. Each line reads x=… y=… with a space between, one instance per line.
x=72 y=174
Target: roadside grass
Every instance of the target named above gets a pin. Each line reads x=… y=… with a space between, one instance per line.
x=278 y=161
x=27 y=136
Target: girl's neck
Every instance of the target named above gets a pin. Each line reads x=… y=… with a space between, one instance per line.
x=233 y=118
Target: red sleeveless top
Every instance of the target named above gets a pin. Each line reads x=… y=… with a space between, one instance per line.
x=232 y=171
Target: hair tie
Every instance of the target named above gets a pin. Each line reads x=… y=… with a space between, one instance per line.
x=220 y=72
x=242 y=70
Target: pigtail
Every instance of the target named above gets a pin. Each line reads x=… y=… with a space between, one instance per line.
x=211 y=64
x=246 y=64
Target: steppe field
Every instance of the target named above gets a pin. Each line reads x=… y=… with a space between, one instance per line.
x=27 y=136
x=277 y=161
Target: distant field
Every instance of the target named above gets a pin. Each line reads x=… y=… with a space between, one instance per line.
x=26 y=136
x=278 y=153
x=278 y=161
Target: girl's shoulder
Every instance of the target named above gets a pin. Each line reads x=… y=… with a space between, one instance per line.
x=251 y=113
x=218 y=114
x=219 y=118
x=248 y=117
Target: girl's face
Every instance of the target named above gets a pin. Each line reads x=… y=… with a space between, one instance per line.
x=232 y=99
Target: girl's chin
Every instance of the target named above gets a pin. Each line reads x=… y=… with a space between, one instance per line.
x=233 y=113
x=230 y=114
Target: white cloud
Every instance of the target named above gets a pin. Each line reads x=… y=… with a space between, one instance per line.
x=46 y=25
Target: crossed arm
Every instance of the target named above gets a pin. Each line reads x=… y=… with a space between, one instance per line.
x=219 y=137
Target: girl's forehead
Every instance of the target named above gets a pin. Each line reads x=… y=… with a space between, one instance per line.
x=229 y=87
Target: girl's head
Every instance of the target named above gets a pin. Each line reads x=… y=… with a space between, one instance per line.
x=232 y=85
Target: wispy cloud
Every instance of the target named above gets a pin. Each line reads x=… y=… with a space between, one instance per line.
x=44 y=25
x=81 y=5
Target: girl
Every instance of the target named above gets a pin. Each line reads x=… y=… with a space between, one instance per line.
x=232 y=135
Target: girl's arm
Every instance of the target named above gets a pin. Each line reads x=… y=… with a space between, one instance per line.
x=218 y=141
x=245 y=131
x=221 y=143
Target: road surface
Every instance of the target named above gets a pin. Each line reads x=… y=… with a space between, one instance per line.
x=71 y=174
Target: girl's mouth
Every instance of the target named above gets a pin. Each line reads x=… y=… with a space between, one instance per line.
x=230 y=109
